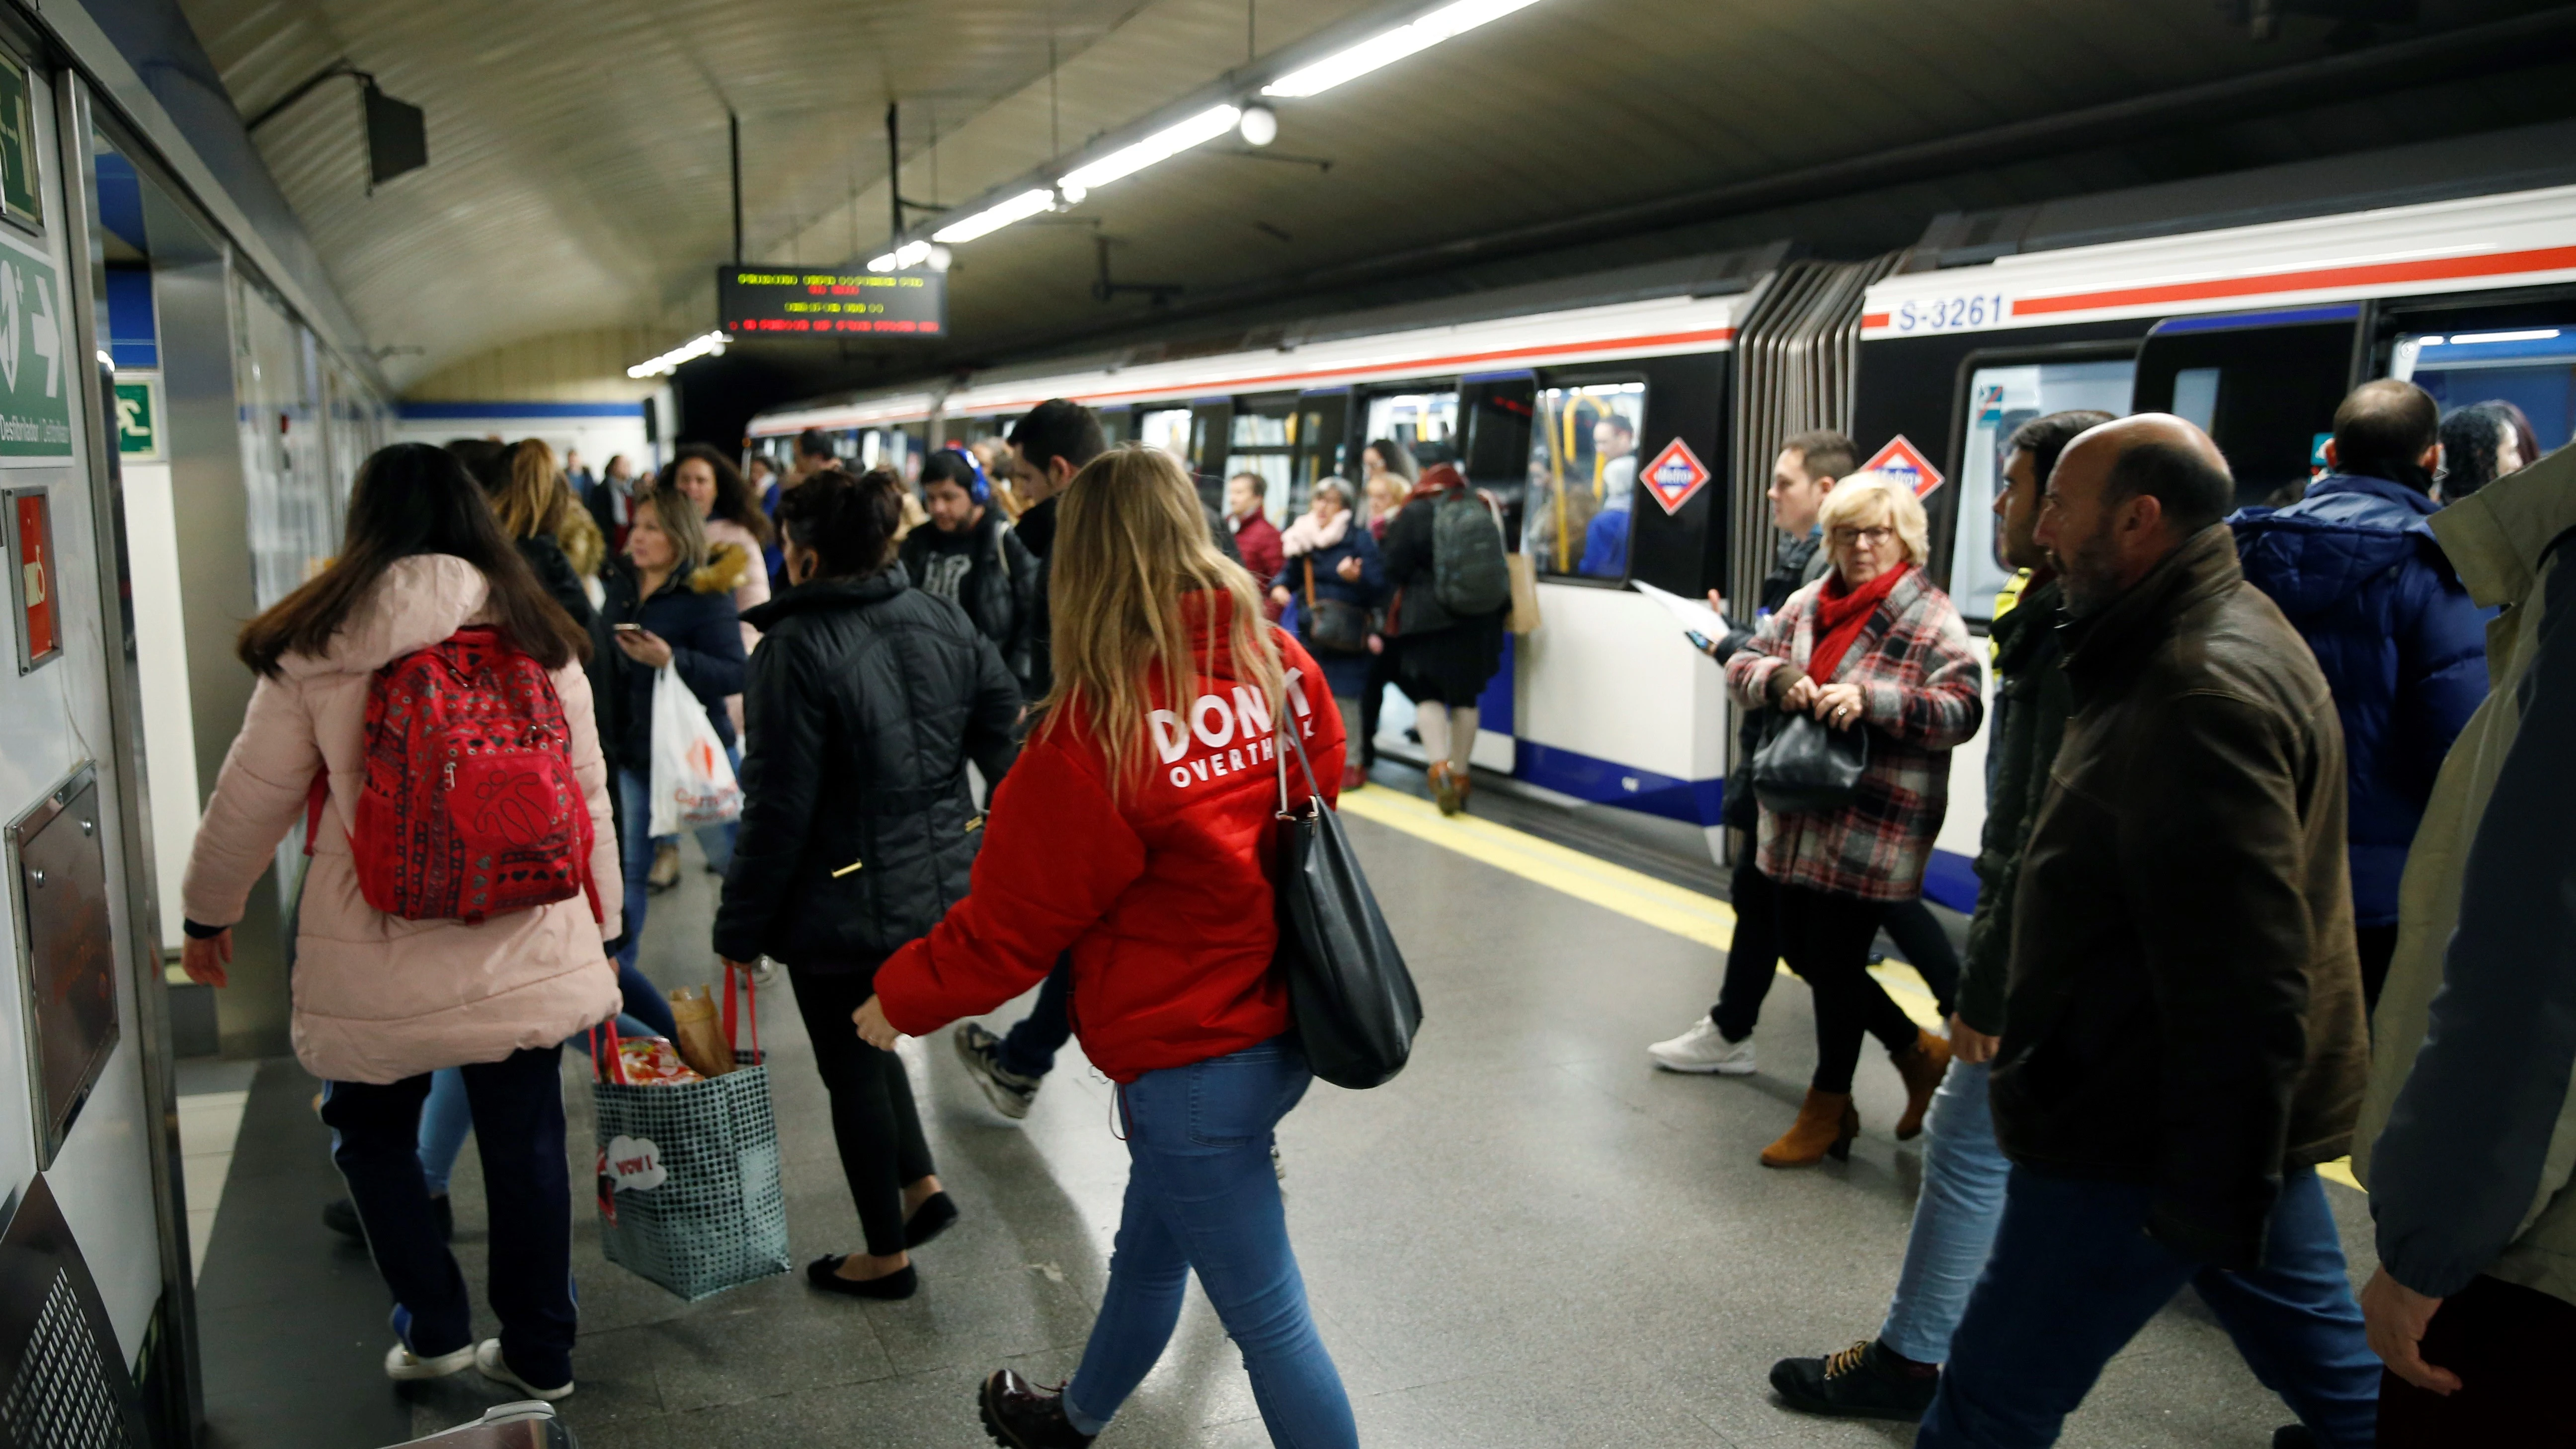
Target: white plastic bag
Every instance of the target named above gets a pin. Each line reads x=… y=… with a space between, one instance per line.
x=693 y=782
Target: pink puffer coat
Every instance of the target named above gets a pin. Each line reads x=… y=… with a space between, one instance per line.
x=378 y=998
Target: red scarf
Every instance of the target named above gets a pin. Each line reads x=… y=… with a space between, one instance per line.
x=1841 y=613
x=1437 y=479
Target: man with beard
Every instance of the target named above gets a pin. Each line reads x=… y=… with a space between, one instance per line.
x=2183 y=1037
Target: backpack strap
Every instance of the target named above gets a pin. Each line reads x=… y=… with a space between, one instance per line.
x=314 y=800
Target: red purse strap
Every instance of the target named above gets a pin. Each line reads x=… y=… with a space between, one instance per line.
x=314 y=800
x=612 y=1066
x=751 y=999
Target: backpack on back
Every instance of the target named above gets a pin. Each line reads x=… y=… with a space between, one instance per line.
x=470 y=807
x=1469 y=575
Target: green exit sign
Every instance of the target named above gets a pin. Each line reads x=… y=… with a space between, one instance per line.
x=138 y=419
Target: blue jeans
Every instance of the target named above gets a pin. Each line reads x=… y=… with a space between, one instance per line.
x=1201 y=1194
x=1029 y=1048
x=2073 y=1278
x=634 y=852
x=1954 y=1218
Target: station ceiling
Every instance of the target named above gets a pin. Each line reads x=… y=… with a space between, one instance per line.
x=579 y=171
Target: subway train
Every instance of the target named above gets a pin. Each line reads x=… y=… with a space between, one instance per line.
x=2249 y=304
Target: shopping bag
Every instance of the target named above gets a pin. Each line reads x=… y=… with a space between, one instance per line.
x=701 y=1042
x=689 y=1195
x=1524 y=615
x=1349 y=991
x=693 y=783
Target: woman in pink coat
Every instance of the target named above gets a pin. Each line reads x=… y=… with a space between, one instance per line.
x=381 y=1001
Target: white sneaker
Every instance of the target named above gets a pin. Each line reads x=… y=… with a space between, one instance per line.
x=1704 y=1049
x=487 y=1357
x=403 y=1366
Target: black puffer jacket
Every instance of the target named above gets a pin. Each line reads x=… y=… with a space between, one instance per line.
x=693 y=613
x=990 y=573
x=866 y=700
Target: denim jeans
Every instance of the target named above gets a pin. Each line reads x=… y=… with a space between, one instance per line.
x=1954 y=1217
x=1202 y=1195
x=2074 y=1276
x=517 y=1109
x=1028 y=1049
x=634 y=852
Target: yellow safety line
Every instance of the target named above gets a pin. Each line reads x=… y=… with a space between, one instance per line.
x=1634 y=894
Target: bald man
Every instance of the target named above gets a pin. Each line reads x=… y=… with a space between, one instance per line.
x=2183 y=1038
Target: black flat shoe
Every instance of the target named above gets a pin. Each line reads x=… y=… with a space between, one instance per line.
x=1020 y=1415
x=824 y=1273
x=929 y=1220
x=1863 y=1381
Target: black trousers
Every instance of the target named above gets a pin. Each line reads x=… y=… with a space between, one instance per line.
x=1926 y=947
x=873 y=1120
x=1381 y=673
x=1826 y=939
x=1753 y=954
x=519 y=1131
x=2508 y=1344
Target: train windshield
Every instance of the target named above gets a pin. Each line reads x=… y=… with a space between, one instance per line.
x=2001 y=399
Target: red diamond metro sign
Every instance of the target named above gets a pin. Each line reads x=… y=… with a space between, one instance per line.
x=1675 y=475
x=1903 y=461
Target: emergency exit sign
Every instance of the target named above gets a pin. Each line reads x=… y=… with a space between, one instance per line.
x=138 y=419
x=793 y=302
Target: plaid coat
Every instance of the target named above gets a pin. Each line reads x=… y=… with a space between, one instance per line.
x=1919 y=692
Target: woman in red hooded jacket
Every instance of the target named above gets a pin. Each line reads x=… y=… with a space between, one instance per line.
x=1136 y=831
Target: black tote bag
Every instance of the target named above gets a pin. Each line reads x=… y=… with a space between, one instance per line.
x=1807 y=767
x=1353 y=999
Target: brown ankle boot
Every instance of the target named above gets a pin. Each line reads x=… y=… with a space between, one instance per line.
x=1827 y=1123
x=1922 y=1066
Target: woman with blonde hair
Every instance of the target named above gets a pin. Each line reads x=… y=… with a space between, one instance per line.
x=1137 y=832
x=1870 y=646
x=529 y=501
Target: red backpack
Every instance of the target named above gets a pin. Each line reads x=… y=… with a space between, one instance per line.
x=470 y=807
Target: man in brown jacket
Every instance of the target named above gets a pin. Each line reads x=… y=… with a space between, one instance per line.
x=2183 y=1037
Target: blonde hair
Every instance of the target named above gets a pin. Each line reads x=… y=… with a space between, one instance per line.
x=1131 y=542
x=531 y=502
x=1862 y=500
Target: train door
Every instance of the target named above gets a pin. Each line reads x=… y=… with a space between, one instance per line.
x=2001 y=389
x=94 y=1239
x=2263 y=385
x=1261 y=439
x=2518 y=352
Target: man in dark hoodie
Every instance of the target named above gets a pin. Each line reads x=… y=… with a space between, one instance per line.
x=2355 y=567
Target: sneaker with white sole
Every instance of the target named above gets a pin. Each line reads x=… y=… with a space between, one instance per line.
x=487 y=1358
x=1704 y=1048
x=1008 y=1091
x=404 y=1366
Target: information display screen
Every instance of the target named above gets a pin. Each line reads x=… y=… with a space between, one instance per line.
x=794 y=302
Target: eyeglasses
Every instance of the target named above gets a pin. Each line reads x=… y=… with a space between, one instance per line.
x=1874 y=537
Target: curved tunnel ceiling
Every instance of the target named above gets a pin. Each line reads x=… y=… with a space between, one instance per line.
x=578 y=174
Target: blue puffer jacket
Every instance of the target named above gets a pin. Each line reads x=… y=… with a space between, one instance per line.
x=2356 y=568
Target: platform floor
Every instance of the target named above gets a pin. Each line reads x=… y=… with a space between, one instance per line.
x=1530 y=1238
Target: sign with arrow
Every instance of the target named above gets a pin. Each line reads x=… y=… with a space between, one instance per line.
x=35 y=390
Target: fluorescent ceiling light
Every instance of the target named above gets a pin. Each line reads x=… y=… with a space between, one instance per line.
x=2474 y=338
x=712 y=344
x=1394 y=45
x=910 y=254
x=993 y=219
x=1207 y=125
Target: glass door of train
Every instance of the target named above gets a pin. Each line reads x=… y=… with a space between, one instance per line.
x=2503 y=371
x=2000 y=390
x=2264 y=385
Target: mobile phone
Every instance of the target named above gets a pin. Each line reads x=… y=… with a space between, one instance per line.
x=628 y=628
x=1699 y=641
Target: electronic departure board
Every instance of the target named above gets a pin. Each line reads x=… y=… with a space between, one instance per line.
x=795 y=302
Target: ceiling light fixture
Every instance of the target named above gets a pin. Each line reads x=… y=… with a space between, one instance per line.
x=994 y=218
x=910 y=254
x=1171 y=141
x=1260 y=125
x=1391 y=46
x=712 y=344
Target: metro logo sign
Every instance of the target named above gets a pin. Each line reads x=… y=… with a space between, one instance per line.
x=1903 y=461
x=1675 y=475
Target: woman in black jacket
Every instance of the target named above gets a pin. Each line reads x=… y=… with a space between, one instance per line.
x=866 y=701
x=1443 y=661
x=533 y=507
x=668 y=601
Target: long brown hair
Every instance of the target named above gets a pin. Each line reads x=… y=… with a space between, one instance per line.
x=414 y=499
x=1131 y=542
x=733 y=496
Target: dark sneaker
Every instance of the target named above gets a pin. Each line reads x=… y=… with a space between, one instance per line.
x=340 y=1215
x=1008 y=1091
x=1020 y=1415
x=1863 y=1381
x=2294 y=1436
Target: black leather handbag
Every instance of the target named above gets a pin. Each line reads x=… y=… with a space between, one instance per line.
x=1353 y=999
x=1806 y=767
x=1332 y=626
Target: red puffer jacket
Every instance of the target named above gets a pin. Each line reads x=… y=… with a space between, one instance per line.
x=1165 y=899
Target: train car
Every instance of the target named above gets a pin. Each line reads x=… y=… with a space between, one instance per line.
x=2255 y=331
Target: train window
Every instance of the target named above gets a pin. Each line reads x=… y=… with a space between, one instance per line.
x=1262 y=439
x=1167 y=429
x=1421 y=421
x=1582 y=478
x=2001 y=399
x=2196 y=396
x=2533 y=368
x=2263 y=385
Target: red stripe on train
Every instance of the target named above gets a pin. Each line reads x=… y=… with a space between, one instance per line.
x=2433 y=269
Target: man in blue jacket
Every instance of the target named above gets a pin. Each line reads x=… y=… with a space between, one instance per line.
x=2355 y=567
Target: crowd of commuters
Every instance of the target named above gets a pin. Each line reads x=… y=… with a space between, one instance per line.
x=2252 y=807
